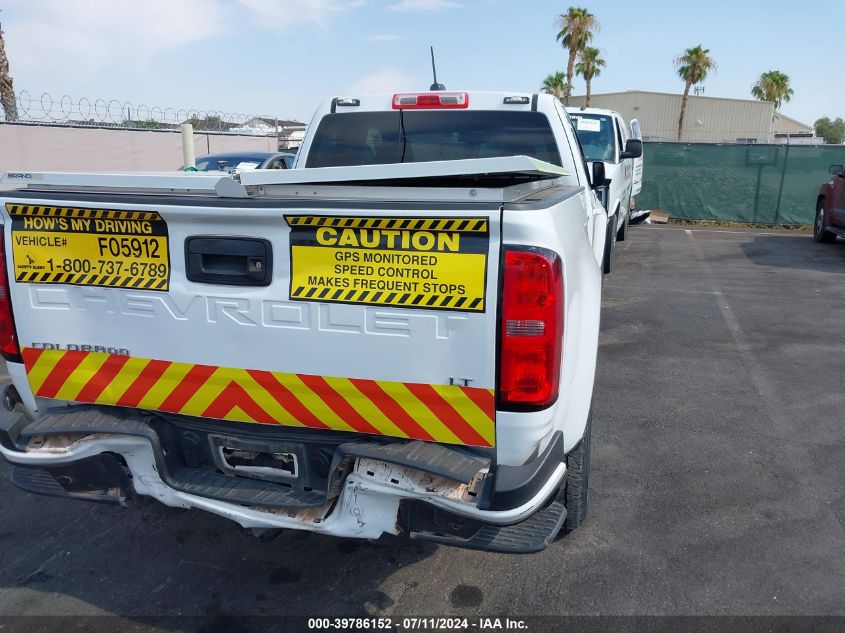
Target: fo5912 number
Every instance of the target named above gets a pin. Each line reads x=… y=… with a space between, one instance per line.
x=129 y=247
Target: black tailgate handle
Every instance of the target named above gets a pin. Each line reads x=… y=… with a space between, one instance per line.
x=229 y=261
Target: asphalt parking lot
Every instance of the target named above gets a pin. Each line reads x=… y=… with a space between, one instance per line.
x=717 y=482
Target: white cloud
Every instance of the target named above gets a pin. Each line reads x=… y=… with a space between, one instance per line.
x=51 y=40
x=383 y=38
x=280 y=14
x=387 y=80
x=423 y=5
x=85 y=36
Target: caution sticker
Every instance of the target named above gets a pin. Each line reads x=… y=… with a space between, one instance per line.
x=435 y=263
x=89 y=247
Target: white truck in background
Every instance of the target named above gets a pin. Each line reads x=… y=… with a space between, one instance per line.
x=397 y=336
x=636 y=133
x=605 y=138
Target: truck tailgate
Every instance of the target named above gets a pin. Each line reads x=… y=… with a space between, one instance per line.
x=367 y=317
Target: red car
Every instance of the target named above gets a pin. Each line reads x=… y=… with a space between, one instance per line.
x=830 y=208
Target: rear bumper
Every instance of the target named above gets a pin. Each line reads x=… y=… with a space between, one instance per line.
x=119 y=464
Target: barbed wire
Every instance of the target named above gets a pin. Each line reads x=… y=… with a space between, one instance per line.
x=116 y=113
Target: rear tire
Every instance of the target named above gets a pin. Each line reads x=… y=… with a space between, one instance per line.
x=577 y=487
x=821 y=234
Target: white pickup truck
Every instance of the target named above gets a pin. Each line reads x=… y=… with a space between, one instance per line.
x=397 y=336
x=606 y=139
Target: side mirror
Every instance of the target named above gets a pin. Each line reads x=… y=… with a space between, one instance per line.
x=836 y=170
x=633 y=148
x=598 y=176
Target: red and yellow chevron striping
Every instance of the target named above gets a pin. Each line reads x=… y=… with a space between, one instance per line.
x=440 y=413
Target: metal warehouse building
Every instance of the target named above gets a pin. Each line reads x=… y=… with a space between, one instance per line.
x=708 y=119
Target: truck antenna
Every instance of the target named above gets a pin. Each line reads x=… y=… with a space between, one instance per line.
x=435 y=85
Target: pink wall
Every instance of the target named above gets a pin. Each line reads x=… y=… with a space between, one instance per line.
x=42 y=148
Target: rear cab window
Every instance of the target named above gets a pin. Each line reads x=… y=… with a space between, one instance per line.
x=372 y=138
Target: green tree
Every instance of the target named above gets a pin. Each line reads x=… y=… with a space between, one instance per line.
x=773 y=86
x=575 y=30
x=692 y=67
x=554 y=84
x=144 y=124
x=208 y=123
x=7 y=89
x=589 y=65
x=832 y=132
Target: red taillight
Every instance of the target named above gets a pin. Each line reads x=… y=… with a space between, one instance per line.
x=8 y=338
x=531 y=329
x=430 y=100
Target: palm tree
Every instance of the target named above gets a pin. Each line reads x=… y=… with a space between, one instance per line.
x=575 y=30
x=773 y=86
x=7 y=90
x=554 y=84
x=692 y=67
x=589 y=65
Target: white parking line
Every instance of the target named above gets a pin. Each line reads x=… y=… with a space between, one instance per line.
x=782 y=424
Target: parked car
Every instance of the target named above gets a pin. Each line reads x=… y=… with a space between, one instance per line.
x=637 y=215
x=604 y=137
x=639 y=162
x=237 y=161
x=398 y=336
x=830 y=207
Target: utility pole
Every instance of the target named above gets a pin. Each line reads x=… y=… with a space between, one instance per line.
x=7 y=90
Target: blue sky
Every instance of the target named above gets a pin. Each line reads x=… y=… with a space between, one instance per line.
x=282 y=57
